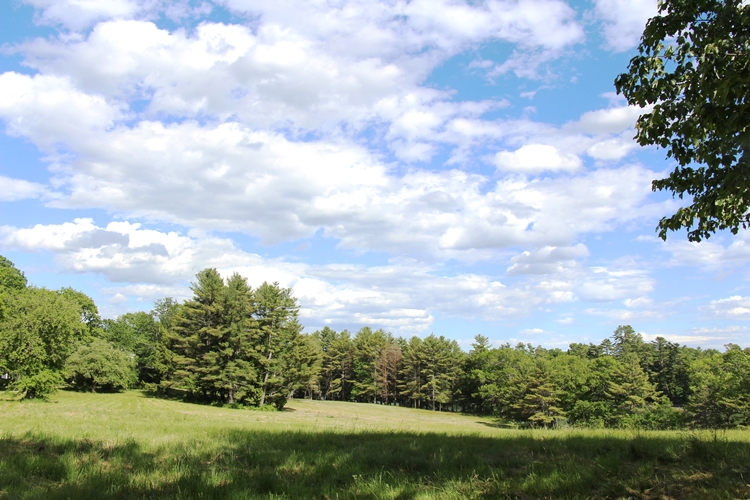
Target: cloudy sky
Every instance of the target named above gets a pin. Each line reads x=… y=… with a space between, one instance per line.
x=423 y=166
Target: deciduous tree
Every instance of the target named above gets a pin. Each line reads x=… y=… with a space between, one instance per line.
x=692 y=77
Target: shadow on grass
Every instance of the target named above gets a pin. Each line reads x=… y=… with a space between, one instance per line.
x=243 y=464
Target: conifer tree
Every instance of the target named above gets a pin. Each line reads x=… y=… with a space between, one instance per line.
x=200 y=331
x=368 y=348
x=412 y=367
x=337 y=364
x=279 y=328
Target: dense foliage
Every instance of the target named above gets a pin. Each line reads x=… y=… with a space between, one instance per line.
x=232 y=344
x=99 y=365
x=692 y=78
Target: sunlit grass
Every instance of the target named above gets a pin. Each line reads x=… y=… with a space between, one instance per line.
x=131 y=446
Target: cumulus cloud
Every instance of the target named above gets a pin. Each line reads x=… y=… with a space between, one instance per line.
x=283 y=128
x=227 y=176
x=615 y=284
x=723 y=253
x=256 y=128
x=533 y=158
x=19 y=189
x=547 y=260
x=145 y=264
x=713 y=337
x=734 y=307
x=50 y=110
x=624 y=21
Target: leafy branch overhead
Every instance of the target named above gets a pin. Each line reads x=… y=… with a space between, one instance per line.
x=693 y=72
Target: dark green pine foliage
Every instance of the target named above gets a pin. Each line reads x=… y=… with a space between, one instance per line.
x=304 y=365
x=539 y=406
x=412 y=371
x=368 y=348
x=336 y=372
x=279 y=329
x=440 y=379
x=238 y=376
x=201 y=337
x=474 y=373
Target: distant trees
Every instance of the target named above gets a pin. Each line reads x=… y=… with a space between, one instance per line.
x=232 y=344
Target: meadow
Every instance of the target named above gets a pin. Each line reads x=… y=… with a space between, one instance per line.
x=129 y=445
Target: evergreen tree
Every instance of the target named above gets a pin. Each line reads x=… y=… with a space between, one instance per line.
x=199 y=333
x=279 y=328
x=336 y=364
x=368 y=348
x=474 y=373
x=539 y=406
x=387 y=367
x=304 y=365
x=412 y=368
x=236 y=356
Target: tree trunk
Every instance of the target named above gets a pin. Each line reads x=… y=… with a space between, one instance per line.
x=433 y=392
x=265 y=381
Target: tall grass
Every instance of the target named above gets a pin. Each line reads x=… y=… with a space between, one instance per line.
x=129 y=446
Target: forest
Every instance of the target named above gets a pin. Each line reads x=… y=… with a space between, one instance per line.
x=232 y=345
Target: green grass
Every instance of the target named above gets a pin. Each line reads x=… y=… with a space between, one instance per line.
x=127 y=445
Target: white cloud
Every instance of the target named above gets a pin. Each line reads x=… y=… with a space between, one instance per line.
x=615 y=284
x=227 y=176
x=613 y=149
x=547 y=260
x=145 y=264
x=613 y=120
x=49 y=109
x=222 y=143
x=532 y=331
x=734 y=307
x=722 y=253
x=624 y=21
x=534 y=158
x=18 y=189
x=80 y=14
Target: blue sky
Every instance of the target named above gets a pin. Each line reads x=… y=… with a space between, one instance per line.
x=437 y=166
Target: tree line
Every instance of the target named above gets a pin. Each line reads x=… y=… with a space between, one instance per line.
x=234 y=345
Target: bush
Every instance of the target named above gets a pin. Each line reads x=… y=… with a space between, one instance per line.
x=100 y=365
x=38 y=385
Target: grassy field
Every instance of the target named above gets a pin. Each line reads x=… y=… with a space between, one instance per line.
x=80 y=446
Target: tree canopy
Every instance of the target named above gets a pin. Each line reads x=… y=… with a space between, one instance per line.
x=692 y=75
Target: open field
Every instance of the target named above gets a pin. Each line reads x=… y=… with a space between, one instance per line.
x=131 y=446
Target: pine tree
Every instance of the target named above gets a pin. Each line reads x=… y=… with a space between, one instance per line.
x=412 y=366
x=279 y=328
x=200 y=332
